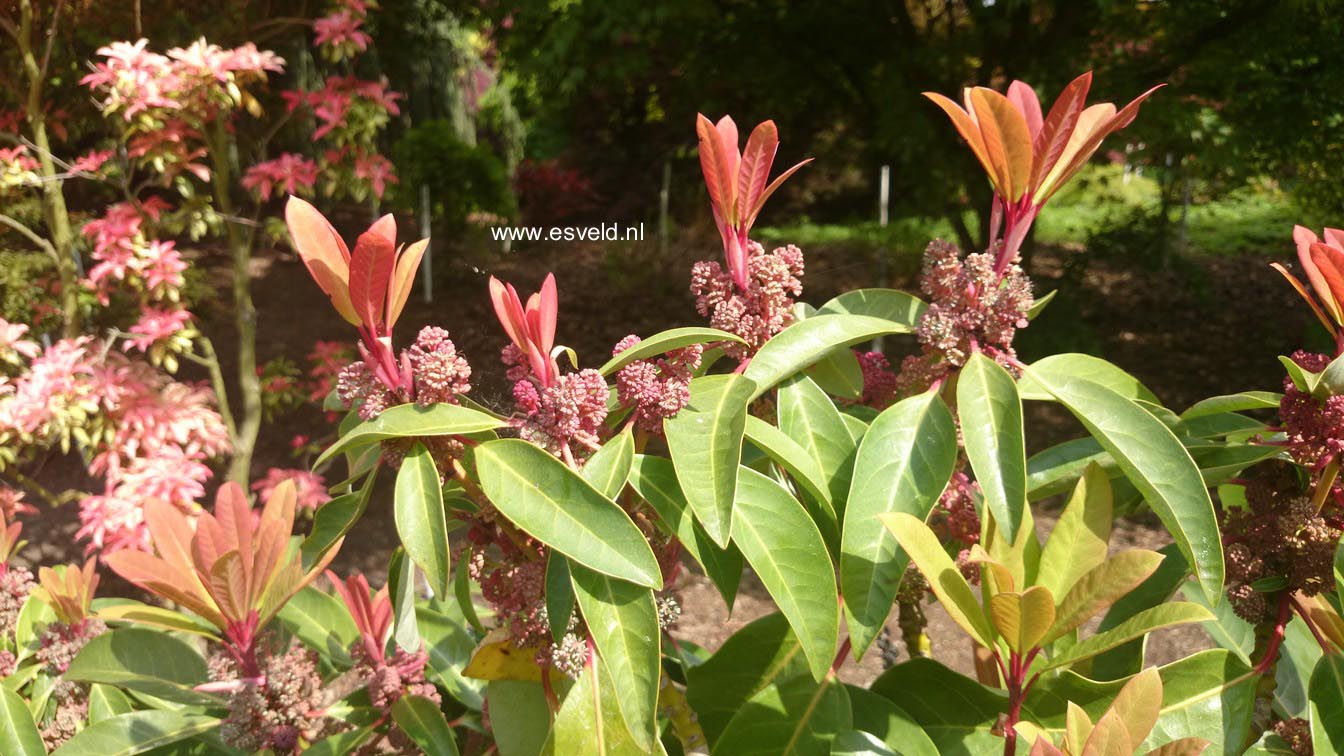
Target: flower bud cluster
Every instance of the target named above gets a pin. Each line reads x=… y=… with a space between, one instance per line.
x=15 y=583
x=1279 y=541
x=567 y=414
x=759 y=312
x=1314 y=427
x=278 y=710
x=60 y=643
x=880 y=383
x=656 y=389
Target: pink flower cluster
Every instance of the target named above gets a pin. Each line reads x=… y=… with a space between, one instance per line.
x=971 y=307
x=311 y=488
x=558 y=417
x=439 y=375
x=760 y=311
x=656 y=389
x=1314 y=427
x=290 y=173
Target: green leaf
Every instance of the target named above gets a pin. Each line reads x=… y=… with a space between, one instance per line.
x=656 y=482
x=786 y=452
x=667 y=341
x=320 y=621
x=553 y=504
x=1085 y=367
x=838 y=374
x=401 y=588
x=18 y=732
x=519 y=716
x=559 y=595
x=450 y=646
x=609 y=467
x=1326 y=693
x=1144 y=622
x=795 y=717
x=421 y=719
x=786 y=550
x=341 y=743
x=333 y=521
x=705 y=441
x=955 y=712
x=136 y=732
x=759 y=655
x=589 y=720
x=1039 y=305
x=903 y=464
x=422 y=525
x=1055 y=470
x=1158 y=465
x=859 y=743
x=888 y=304
x=942 y=574
x=1332 y=379
x=1127 y=659
x=994 y=438
x=1303 y=379
x=106 y=702
x=462 y=593
x=807 y=341
x=143 y=660
x=877 y=716
x=413 y=421
x=1081 y=537
x=622 y=620
x=808 y=416
x=1240 y=402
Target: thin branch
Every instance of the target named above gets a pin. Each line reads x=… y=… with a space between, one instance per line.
x=31 y=235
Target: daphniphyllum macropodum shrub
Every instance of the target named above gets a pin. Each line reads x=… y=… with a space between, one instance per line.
x=859 y=494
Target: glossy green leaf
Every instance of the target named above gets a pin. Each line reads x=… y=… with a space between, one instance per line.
x=609 y=467
x=1240 y=402
x=553 y=504
x=1156 y=462
x=944 y=579
x=808 y=416
x=1326 y=694
x=994 y=438
x=421 y=719
x=1056 y=469
x=422 y=525
x=838 y=374
x=955 y=712
x=656 y=482
x=807 y=341
x=105 y=702
x=18 y=732
x=590 y=721
x=666 y=341
x=333 y=521
x=320 y=621
x=413 y=421
x=888 y=304
x=795 y=717
x=401 y=589
x=761 y=654
x=622 y=620
x=142 y=660
x=1081 y=537
x=859 y=743
x=520 y=718
x=705 y=441
x=559 y=595
x=136 y=732
x=1084 y=367
x=449 y=646
x=786 y=550
x=903 y=464
x=878 y=717
x=1040 y=304
x=788 y=454
x=462 y=594
x=1156 y=618
x=341 y=743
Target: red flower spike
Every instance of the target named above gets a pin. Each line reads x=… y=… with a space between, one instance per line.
x=1027 y=157
x=737 y=183
x=531 y=329
x=372 y=616
x=68 y=590
x=1323 y=263
x=235 y=570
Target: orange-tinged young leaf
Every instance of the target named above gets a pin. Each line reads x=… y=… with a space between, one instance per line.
x=403 y=279
x=1116 y=122
x=1007 y=139
x=1329 y=261
x=1077 y=728
x=68 y=590
x=1311 y=301
x=1139 y=703
x=774 y=185
x=1182 y=747
x=1109 y=738
x=1102 y=586
x=156 y=576
x=547 y=312
x=323 y=253
x=1325 y=618
x=1050 y=141
x=1305 y=239
x=1024 y=99
x=715 y=164
x=1043 y=747
x=997 y=576
x=9 y=539
x=371 y=265
x=727 y=129
x=509 y=311
x=754 y=170
x=1090 y=121
x=1022 y=619
x=967 y=127
x=1079 y=541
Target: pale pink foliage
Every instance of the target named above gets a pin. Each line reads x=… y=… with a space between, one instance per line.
x=310 y=487
x=291 y=173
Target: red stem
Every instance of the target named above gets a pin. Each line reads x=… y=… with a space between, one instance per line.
x=841 y=656
x=1266 y=662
